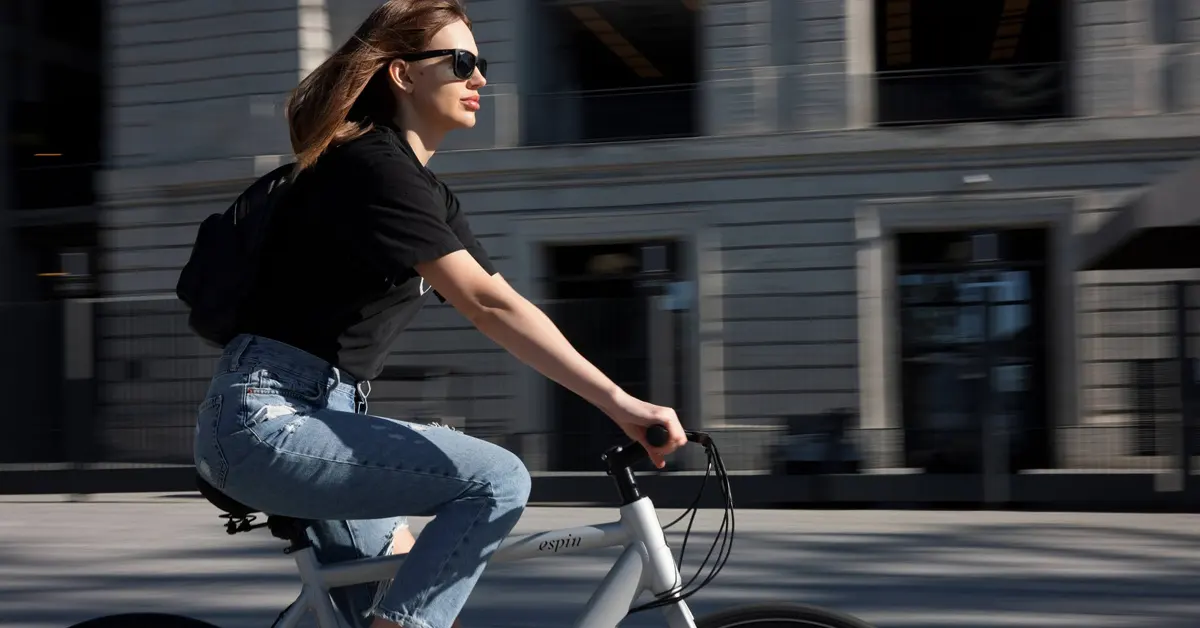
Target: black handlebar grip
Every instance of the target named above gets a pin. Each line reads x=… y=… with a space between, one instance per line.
x=657 y=435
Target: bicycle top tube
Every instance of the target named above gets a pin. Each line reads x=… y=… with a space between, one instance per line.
x=547 y=544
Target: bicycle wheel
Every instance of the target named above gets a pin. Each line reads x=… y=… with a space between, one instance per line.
x=144 y=620
x=779 y=616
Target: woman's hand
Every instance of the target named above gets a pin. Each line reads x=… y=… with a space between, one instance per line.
x=635 y=415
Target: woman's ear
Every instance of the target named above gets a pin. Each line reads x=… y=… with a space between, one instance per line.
x=398 y=71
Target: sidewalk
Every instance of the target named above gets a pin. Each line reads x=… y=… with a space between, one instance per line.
x=62 y=562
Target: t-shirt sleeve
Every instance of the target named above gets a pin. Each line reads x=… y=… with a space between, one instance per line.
x=462 y=230
x=404 y=217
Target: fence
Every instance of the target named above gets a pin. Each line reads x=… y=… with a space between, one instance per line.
x=115 y=384
x=1139 y=366
x=110 y=387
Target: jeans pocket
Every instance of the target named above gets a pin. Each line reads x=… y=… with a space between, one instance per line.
x=273 y=381
x=210 y=459
x=276 y=400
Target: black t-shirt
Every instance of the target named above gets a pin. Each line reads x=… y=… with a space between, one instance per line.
x=337 y=277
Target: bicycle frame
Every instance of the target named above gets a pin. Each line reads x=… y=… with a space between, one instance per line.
x=646 y=565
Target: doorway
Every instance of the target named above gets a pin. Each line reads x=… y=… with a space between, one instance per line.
x=603 y=296
x=974 y=352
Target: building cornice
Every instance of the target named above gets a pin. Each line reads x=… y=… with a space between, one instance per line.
x=867 y=150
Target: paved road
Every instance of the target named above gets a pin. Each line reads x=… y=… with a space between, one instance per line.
x=64 y=562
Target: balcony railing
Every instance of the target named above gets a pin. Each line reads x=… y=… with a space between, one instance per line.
x=972 y=94
x=611 y=115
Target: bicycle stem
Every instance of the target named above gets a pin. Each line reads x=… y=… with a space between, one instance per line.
x=621 y=458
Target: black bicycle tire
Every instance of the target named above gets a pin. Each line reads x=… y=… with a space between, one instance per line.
x=144 y=620
x=780 y=615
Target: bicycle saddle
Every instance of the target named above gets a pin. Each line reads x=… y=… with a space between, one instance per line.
x=222 y=501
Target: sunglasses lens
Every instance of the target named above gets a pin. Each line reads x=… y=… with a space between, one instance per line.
x=465 y=64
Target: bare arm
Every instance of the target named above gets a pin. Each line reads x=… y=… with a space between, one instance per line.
x=509 y=319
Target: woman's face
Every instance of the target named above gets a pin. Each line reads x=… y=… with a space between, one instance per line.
x=438 y=98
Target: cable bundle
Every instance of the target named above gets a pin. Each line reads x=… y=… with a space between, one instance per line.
x=724 y=534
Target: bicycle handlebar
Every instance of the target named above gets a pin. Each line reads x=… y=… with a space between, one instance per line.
x=633 y=452
x=657 y=435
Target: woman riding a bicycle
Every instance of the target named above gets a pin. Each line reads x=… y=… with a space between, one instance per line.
x=366 y=231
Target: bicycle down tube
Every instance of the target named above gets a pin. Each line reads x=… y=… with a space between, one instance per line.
x=646 y=565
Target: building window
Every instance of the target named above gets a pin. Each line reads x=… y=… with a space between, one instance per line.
x=82 y=30
x=946 y=61
x=604 y=298
x=57 y=111
x=57 y=142
x=973 y=312
x=612 y=71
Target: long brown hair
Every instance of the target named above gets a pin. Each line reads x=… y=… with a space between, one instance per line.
x=338 y=101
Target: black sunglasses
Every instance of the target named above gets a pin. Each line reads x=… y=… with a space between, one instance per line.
x=465 y=61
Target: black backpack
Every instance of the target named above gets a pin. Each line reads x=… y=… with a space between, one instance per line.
x=224 y=263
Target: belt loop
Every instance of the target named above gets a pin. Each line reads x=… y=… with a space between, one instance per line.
x=331 y=386
x=363 y=395
x=235 y=360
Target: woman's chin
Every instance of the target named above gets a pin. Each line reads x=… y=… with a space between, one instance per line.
x=458 y=120
x=466 y=120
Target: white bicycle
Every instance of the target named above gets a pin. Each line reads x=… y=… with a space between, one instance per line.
x=647 y=566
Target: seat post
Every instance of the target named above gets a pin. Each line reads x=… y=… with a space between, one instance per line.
x=294 y=531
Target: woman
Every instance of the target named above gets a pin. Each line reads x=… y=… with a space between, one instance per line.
x=365 y=232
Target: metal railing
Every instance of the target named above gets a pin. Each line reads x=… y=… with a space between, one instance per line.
x=119 y=393
x=972 y=94
x=613 y=115
x=986 y=93
x=1099 y=449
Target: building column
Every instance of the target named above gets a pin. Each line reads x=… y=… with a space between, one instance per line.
x=879 y=406
x=1178 y=32
x=1117 y=69
x=859 y=103
x=738 y=82
x=527 y=117
x=833 y=86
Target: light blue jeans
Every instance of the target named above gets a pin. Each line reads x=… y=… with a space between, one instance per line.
x=278 y=432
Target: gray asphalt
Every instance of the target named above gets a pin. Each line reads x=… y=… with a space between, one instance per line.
x=63 y=562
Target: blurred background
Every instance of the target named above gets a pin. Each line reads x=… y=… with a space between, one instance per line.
x=887 y=251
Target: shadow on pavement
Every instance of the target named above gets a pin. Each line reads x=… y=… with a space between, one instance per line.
x=970 y=576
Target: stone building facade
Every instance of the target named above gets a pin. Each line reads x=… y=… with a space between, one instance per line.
x=785 y=208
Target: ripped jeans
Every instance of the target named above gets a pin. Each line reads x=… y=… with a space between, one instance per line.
x=278 y=432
